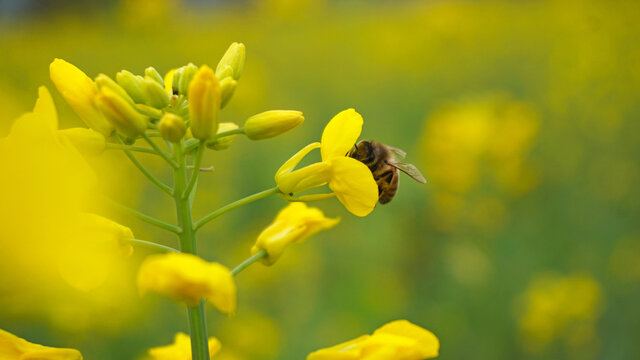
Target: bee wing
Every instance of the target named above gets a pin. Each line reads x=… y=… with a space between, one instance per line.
x=397 y=153
x=410 y=170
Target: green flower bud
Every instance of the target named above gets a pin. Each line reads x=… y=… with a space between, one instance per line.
x=121 y=114
x=227 y=88
x=86 y=141
x=154 y=75
x=132 y=85
x=223 y=142
x=155 y=94
x=234 y=57
x=225 y=72
x=272 y=123
x=149 y=111
x=188 y=72
x=103 y=80
x=204 y=103
x=175 y=83
x=172 y=127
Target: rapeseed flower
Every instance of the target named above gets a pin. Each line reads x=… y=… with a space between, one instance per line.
x=188 y=279
x=293 y=224
x=350 y=180
x=15 y=348
x=397 y=340
x=181 y=348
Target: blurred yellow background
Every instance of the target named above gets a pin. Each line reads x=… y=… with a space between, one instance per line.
x=523 y=116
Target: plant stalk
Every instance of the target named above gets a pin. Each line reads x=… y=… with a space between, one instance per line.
x=197 y=323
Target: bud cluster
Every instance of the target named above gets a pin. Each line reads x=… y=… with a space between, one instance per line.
x=184 y=103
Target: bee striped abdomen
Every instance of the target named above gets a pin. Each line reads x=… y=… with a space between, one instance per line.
x=387 y=186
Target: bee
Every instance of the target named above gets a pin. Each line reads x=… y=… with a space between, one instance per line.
x=384 y=163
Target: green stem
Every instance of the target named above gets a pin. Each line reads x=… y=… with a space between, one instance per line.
x=146 y=218
x=190 y=145
x=198 y=328
x=130 y=148
x=195 y=172
x=235 y=204
x=151 y=245
x=245 y=264
x=162 y=186
x=197 y=324
x=160 y=152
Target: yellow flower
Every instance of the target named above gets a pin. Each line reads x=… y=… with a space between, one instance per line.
x=294 y=224
x=204 y=103
x=397 y=340
x=15 y=348
x=80 y=92
x=188 y=279
x=351 y=181
x=181 y=348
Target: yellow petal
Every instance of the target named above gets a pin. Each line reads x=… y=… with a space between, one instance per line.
x=341 y=134
x=15 y=348
x=291 y=164
x=353 y=184
x=181 y=348
x=350 y=350
x=168 y=81
x=428 y=342
x=46 y=109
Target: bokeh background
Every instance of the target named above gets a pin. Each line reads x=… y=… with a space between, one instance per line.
x=523 y=116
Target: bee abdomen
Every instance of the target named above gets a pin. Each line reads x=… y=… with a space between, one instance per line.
x=387 y=186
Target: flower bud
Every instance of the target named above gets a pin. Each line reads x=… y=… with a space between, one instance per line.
x=223 y=142
x=80 y=92
x=175 y=83
x=234 y=57
x=153 y=74
x=149 y=111
x=172 y=127
x=132 y=85
x=122 y=115
x=155 y=94
x=225 y=72
x=188 y=72
x=86 y=141
x=103 y=80
x=272 y=123
x=204 y=103
x=227 y=88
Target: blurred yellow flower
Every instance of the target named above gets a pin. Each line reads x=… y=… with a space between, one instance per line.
x=188 y=279
x=397 y=340
x=181 y=348
x=472 y=145
x=15 y=348
x=80 y=92
x=351 y=181
x=554 y=305
x=293 y=224
x=46 y=191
